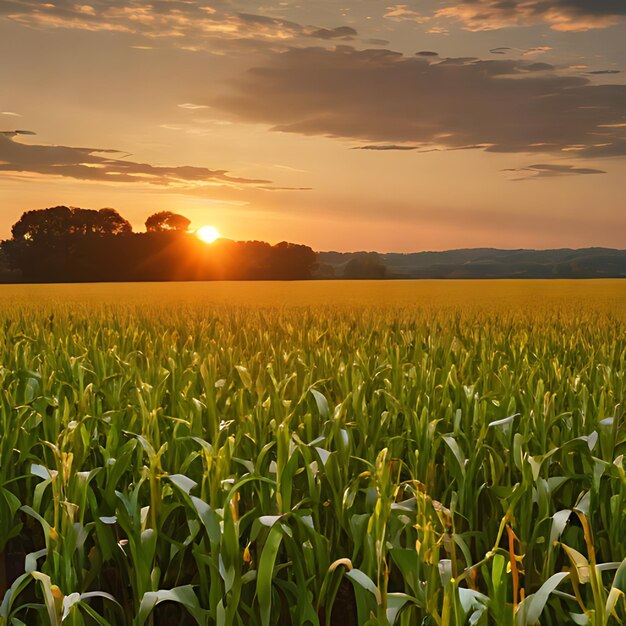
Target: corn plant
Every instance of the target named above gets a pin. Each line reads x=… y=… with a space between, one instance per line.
x=443 y=454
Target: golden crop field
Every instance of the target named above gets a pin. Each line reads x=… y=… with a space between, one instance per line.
x=427 y=452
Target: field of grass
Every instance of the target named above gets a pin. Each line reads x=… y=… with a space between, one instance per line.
x=436 y=453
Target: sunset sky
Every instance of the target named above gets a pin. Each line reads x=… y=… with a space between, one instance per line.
x=341 y=124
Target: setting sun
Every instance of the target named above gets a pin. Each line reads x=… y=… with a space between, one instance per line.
x=208 y=234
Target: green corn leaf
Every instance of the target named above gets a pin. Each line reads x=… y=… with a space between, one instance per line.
x=184 y=595
x=529 y=611
x=265 y=573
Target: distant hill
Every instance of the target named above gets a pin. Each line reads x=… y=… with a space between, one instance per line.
x=476 y=263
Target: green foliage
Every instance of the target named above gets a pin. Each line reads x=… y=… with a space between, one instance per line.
x=255 y=465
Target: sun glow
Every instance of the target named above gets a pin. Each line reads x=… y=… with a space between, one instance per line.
x=208 y=234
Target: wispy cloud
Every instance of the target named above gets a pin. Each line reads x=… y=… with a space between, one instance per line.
x=107 y=165
x=192 y=107
x=401 y=12
x=525 y=52
x=386 y=147
x=543 y=170
x=13 y=133
x=603 y=72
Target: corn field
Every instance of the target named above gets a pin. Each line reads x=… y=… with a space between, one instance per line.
x=340 y=453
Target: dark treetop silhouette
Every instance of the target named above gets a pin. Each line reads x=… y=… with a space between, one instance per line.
x=166 y=220
x=68 y=244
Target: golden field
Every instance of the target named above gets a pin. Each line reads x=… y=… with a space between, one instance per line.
x=434 y=452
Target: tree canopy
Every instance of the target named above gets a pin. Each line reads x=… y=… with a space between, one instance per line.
x=365 y=265
x=60 y=221
x=69 y=244
x=166 y=220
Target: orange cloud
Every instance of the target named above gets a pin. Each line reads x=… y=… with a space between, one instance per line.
x=400 y=12
x=190 y=21
x=561 y=15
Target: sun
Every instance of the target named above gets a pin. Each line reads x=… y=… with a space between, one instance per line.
x=208 y=234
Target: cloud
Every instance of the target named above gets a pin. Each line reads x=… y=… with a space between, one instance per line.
x=106 y=165
x=385 y=146
x=383 y=97
x=418 y=148
x=602 y=72
x=13 y=133
x=192 y=107
x=562 y=15
x=270 y=188
x=401 y=12
x=541 y=170
x=525 y=52
x=191 y=24
x=341 y=32
x=531 y=52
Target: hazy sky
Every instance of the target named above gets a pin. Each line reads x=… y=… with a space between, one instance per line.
x=342 y=124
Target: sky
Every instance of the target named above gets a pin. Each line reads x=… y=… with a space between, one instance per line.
x=341 y=124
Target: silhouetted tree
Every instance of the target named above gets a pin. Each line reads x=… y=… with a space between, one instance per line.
x=60 y=221
x=324 y=271
x=367 y=265
x=59 y=243
x=109 y=222
x=63 y=244
x=166 y=220
x=290 y=261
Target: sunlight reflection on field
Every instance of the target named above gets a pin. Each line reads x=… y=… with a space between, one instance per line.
x=507 y=294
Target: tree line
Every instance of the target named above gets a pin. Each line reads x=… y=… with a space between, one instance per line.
x=71 y=244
